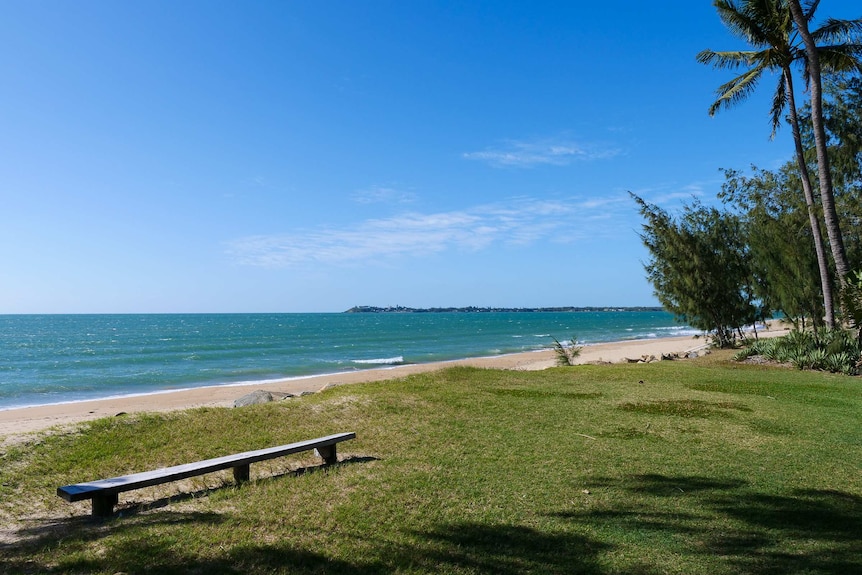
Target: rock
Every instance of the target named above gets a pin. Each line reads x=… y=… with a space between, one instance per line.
x=253 y=398
x=691 y=355
x=260 y=396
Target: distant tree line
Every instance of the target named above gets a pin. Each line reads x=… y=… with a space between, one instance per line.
x=474 y=309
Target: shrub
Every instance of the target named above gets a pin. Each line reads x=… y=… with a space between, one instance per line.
x=745 y=353
x=834 y=350
x=851 y=302
x=841 y=362
x=566 y=353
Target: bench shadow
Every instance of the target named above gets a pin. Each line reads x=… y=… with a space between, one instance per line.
x=51 y=526
x=139 y=507
x=77 y=531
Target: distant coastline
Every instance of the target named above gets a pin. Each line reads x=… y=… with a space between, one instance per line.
x=474 y=309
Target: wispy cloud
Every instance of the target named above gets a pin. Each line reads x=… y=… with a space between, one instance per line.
x=383 y=194
x=522 y=221
x=677 y=193
x=528 y=154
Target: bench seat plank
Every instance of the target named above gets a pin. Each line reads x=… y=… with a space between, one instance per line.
x=114 y=485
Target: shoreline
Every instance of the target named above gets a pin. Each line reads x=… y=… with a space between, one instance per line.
x=21 y=421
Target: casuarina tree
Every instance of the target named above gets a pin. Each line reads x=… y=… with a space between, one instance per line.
x=700 y=268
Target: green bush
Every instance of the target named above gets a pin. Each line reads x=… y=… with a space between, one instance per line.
x=841 y=362
x=834 y=350
x=745 y=353
x=851 y=302
x=568 y=353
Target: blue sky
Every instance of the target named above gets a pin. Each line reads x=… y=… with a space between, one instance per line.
x=303 y=156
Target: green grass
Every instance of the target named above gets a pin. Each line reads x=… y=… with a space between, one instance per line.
x=706 y=466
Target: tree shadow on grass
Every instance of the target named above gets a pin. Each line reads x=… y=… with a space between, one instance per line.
x=506 y=550
x=464 y=548
x=160 y=555
x=818 y=531
x=76 y=534
x=726 y=527
x=145 y=544
x=805 y=531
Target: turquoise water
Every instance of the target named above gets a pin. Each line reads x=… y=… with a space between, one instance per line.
x=48 y=359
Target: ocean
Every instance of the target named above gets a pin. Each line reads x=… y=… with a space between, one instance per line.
x=47 y=359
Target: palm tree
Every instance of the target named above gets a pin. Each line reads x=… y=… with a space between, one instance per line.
x=767 y=26
x=847 y=58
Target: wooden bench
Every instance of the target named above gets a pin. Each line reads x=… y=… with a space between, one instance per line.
x=104 y=491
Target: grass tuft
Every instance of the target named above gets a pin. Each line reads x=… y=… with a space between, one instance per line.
x=684 y=407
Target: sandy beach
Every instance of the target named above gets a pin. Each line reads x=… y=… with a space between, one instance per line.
x=15 y=423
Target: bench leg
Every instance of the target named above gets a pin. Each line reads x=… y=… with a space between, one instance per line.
x=241 y=473
x=103 y=505
x=328 y=453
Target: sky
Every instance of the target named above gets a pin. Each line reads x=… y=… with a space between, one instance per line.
x=207 y=156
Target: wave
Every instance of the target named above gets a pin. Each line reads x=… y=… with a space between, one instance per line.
x=381 y=361
x=680 y=330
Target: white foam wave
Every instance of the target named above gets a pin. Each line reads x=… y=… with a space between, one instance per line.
x=681 y=331
x=381 y=361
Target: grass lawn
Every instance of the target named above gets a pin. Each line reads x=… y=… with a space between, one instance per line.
x=702 y=466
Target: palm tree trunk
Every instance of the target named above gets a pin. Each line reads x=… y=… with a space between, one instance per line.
x=830 y=215
x=825 y=283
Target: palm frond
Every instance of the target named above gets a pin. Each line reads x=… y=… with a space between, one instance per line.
x=730 y=60
x=776 y=21
x=841 y=58
x=779 y=103
x=838 y=31
x=808 y=8
x=806 y=70
x=767 y=26
x=741 y=22
x=736 y=90
x=774 y=58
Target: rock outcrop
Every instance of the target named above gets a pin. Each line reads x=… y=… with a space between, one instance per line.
x=260 y=396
